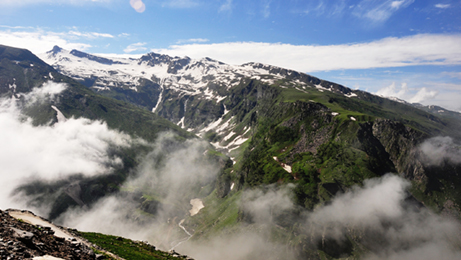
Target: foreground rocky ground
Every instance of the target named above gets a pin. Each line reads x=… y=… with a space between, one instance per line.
x=23 y=235
x=21 y=240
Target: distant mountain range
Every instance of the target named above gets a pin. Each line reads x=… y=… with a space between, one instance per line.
x=197 y=89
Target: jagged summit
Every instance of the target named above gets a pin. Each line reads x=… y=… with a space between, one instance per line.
x=180 y=73
x=55 y=49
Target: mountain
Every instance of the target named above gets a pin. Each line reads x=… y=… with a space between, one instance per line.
x=318 y=170
x=195 y=94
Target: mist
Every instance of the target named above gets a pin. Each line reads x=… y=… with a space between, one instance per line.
x=440 y=149
x=154 y=200
x=53 y=151
x=165 y=181
x=391 y=224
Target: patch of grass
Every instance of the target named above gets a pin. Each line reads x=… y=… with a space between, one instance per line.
x=217 y=215
x=126 y=248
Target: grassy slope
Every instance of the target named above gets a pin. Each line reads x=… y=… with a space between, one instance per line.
x=126 y=248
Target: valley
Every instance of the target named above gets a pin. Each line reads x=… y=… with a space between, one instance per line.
x=221 y=161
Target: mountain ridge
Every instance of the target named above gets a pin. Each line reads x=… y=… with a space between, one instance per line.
x=193 y=93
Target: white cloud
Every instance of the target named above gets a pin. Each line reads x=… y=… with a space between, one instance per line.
x=75 y=146
x=442 y=6
x=39 y=41
x=135 y=47
x=422 y=49
x=173 y=171
x=194 y=40
x=411 y=95
x=423 y=95
x=138 y=5
x=90 y=35
x=439 y=149
x=365 y=206
x=180 y=3
x=397 y=4
x=389 y=226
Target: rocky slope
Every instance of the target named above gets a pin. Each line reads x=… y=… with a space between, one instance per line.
x=21 y=240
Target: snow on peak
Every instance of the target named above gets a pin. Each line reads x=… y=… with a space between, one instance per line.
x=178 y=73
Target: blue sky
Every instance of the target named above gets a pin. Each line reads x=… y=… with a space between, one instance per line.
x=405 y=48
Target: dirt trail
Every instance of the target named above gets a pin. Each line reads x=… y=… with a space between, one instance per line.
x=36 y=220
x=33 y=219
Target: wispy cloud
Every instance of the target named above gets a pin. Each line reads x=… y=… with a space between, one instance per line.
x=379 y=11
x=423 y=49
x=226 y=6
x=90 y=34
x=194 y=40
x=442 y=6
x=13 y=3
x=452 y=74
x=266 y=8
x=180 y=3
x=139 y=46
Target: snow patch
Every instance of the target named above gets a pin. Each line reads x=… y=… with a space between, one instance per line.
x=286 y=167
x=350 y=95
x=197 y=205
x=59 y=115
x=353 y=118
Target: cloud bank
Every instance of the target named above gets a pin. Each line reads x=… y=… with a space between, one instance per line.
x=377 y=214
x=165 y=181
x=50 y=152
x=422 y=49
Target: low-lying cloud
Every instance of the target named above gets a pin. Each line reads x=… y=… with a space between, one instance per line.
x=164 y=182
x=50 y=152
x=439 y=149
x=379 y=215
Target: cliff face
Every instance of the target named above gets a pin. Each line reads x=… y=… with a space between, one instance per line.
x=310 y=144
x=401 y=143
